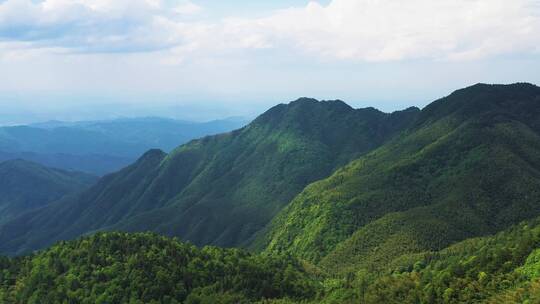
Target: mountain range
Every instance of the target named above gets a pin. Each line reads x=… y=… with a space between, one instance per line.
x=221 y=189
x=438 y=205
x=100 y=147
x=468 y=166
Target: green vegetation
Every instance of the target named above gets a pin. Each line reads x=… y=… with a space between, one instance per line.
x=147 y=268
x=26 y=186
x=218 y=190
x=468 y=167
x=499 y=269
x=437 y=206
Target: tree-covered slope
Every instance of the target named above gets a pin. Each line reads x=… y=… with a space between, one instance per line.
x=25 y=186
x=503 y=268
x=147 y=268
x=469 y=166
x=109 y=199
x=219 y=189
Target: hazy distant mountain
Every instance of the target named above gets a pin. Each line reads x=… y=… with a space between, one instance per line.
x=93 y=164
x=101 y=147
x=26 y=186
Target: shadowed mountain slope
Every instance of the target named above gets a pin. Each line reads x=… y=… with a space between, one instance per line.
x=219 y=189
x=25 y=186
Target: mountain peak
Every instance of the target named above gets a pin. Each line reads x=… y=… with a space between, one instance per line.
x=151 y=155
x=304 y=100
x=516 y=99
x=307 y=101
x=301 y=109
x=518 y=87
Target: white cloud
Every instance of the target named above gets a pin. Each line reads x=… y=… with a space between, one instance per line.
x=94 y=25
x=187 y=8
x=380 y=30
x=357 y=30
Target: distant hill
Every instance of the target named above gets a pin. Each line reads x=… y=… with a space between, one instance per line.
x=95 y=164
x=26 y=186
x=220 y=189
x=101 y=147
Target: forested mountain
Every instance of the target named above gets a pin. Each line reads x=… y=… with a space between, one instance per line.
x=469 y=166
x=440 y=205
x=220 y=189
x=101 y=147
x=26 y=186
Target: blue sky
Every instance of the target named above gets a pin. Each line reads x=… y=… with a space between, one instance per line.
x=88 y=59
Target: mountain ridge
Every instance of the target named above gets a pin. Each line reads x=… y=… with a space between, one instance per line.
x=251 y=173
x=414 y=171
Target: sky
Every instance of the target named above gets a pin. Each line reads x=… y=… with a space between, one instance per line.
x=208 y=59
